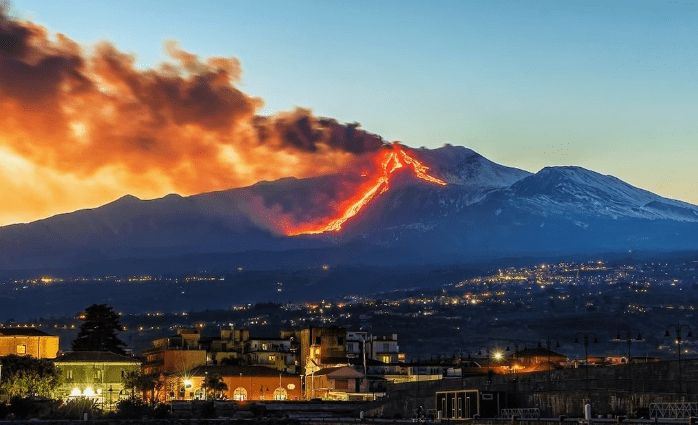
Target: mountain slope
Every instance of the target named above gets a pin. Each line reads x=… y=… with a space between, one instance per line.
x=486 y=211
x=559 y=189
x=557 y=211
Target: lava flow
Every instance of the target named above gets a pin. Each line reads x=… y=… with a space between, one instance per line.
x=389 y=160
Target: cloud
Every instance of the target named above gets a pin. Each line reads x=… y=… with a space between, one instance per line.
x=82 y=114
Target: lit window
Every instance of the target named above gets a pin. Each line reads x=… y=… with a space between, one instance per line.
x=69 y=374
x=240 y=394
x=21 y=349
x=280 y=394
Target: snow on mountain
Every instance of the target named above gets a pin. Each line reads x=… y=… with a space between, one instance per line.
x=560 y=190
x=470 y=178
x=464 y=167
x=486 y=210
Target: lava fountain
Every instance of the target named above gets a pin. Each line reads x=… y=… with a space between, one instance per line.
x=389 y=160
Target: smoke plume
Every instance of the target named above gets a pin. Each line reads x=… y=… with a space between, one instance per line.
x=80 y=126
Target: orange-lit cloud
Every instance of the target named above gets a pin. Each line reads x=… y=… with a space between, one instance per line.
x=79 y=129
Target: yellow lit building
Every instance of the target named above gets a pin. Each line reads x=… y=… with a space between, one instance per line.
x=28 y=342
x=96 y=375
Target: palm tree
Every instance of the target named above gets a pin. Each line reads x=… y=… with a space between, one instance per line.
x=144 y=383
x=215 y=386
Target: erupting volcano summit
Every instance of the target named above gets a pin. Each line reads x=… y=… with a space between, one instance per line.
x=389 y=160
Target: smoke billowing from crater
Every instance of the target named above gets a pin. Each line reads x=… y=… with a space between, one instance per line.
x=81 y=126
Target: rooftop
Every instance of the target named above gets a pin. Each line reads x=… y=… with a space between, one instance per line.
x=95 y=356
x=22 y=332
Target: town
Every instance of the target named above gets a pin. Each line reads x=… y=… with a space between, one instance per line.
x=510 y=334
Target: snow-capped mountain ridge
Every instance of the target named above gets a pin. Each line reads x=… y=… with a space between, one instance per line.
x=486 y=210
x=557 y=189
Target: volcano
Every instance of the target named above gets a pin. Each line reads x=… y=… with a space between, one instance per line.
x=397 y=205
x=390 y=160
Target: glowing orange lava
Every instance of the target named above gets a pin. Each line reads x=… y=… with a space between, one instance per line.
x=390 y=160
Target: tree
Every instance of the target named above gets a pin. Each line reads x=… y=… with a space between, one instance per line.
x=99 y=330
x=27 y=376
x=215 y=386
x=139 y=381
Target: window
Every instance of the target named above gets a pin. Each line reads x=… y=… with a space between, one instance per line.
x=69 y=375
x=240 y=394
x=340 y=340
x=318 y=340
x=385 y=359
x=280 y=394
x=21 y=349
x=272 y=357
x=98 y=374
x=341 y=384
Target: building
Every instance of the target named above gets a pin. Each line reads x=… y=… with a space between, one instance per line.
x=539 y=359
x=383 y=348
x=97 y=375
x=28 y=342
x=177 y=353
x=188 y=349
x=276 y=353
x=241 y=383
x=321 y=346
x=336 y=383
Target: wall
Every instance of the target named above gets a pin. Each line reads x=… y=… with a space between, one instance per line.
x=42 y=347
x=564 y=392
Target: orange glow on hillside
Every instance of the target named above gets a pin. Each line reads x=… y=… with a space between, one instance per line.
x=390 y=160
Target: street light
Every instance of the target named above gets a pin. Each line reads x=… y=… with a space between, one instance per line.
x=629 y=332
x=516 y=345
x=460 y=359
x=678 y=328
x=586 y=336
x=548 y=343
x=489 y=350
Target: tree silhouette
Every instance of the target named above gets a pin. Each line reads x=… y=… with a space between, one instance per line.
x=144 y=383
x=215 y=386
x=99 y=330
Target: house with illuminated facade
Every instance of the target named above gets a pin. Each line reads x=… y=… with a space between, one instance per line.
x=321 y=346
x=177 y=353
x=336 y=383
x=28 y=342
x=383 y=348
x=276 y=353
x=96 y=375
x=241 y=383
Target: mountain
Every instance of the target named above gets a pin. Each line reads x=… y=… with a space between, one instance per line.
x=557 y=211
x=485 y=211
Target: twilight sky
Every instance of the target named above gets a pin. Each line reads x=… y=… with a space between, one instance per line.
x=607 y=85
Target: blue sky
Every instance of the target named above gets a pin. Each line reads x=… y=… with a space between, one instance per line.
x=607 y=85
